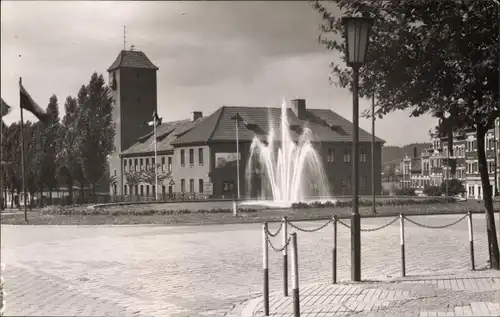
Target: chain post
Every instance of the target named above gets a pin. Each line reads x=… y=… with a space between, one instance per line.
x=402 y=239
x=334 y=251
x=265 y=268
x=285 y=257
x=471 y=240
x=295 y=277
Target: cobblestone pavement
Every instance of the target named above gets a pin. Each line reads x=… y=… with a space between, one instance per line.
x=200 y=270
x=469 y=294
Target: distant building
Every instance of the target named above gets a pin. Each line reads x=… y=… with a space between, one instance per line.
x=201 y=150
x=434 y=169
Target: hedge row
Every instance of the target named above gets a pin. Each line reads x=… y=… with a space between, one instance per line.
x=133 y=210
x=366 y=203
x=103 y=211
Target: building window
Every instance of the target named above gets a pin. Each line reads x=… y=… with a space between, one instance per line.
x=200 y=156
x=125 y=165
x=183 y=185
x=147 y=190
x=136 y=165
x=125 y=189
x=348 y=183
x=331 y=156
x=191 y=157
x=200 y=184
x=169 y=163
x=114 y=172
x=363 y=156
x=141 y=163
x=147 y=163
x=182 y=158
x=347 y=156
x=136 y=190
x=191 y=185
x=364 y=182
x=142 y=190
x=153 y=190
x=153 y=162
x=163 y=164
x=163 y=189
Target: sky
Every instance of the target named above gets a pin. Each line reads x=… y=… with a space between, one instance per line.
x=209 y=54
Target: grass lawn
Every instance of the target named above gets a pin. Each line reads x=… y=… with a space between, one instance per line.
x=160 y=215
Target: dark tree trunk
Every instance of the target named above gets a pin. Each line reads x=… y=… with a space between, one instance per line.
x=41 y=197
x=488 y=201
x=69 y=183
x=81 y=194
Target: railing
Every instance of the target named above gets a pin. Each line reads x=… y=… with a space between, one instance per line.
x=292 y=240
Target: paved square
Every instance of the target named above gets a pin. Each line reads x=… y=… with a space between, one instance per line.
x=204 y=270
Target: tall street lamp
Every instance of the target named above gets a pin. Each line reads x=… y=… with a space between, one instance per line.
x=357 y=32
x=238 y=119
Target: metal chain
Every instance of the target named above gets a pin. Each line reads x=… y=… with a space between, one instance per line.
x=309 y=230
x=278 y=249
x=371 y=229
x=343 y=223
x=276 y=233
x=436 y=227
x=381 y=227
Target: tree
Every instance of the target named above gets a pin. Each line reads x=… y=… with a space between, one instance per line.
x=439 y=59
x=455 y=187
x=133 y=179
x=96 y=130
x=49 y=140
x=149 y=175
x=38 y=158
x=406 y=192
x=433 y=191
x=12 y=154
x=68 y=159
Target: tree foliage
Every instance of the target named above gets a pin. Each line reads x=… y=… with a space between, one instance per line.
x=96 y=130
x=431 y=57
x=149 y=175
x=75 y=147
x=133 y=178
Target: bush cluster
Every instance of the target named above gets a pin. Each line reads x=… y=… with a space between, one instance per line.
x=367 y=203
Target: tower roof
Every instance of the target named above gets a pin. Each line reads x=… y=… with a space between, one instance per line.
x=132 y=59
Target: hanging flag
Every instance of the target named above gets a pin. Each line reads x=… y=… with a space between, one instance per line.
x=156 y=120
x=4 y=108
x=27 y=103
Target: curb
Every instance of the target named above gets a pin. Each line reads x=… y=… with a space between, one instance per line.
x=259 y=221
x=251 y=306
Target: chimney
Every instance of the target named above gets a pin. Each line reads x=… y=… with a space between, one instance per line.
x=299 y=108
x=197 y=115
x=415 y=152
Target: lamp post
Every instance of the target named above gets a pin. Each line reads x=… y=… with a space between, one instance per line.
x=357 y=31
x=237 y=118
x=374 y=210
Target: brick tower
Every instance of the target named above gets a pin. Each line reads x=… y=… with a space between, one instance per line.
x=132 y=79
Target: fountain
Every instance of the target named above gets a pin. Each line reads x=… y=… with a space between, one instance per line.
x=290 y=172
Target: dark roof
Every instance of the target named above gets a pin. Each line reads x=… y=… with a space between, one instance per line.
x=326 y=125
x=166 y=133
x=132 y=59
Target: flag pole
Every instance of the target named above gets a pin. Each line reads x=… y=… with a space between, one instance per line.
x=156 y=162
x=1 y=157
x=22 y=153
